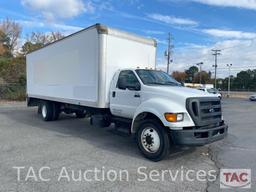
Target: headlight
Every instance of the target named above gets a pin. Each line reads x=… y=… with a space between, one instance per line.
x=174 y=117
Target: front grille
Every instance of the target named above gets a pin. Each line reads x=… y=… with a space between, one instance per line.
x=204 y=111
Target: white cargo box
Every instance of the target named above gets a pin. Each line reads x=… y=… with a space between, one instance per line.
x=79 y=68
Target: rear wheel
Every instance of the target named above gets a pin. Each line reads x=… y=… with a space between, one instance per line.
x=39 y=110
x=56 y=111
x=47 y=111
x=153 y=140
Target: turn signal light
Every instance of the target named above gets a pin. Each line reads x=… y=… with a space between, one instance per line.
x=174 y=117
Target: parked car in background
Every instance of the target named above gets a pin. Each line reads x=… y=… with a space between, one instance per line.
x=212 y=91
x=253 y=97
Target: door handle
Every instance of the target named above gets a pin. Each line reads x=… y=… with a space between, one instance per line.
x=136 y=95
x=113 y=94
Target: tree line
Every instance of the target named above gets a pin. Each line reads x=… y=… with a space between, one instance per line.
x=13 y=49
x=243 y=81
x=192 y=75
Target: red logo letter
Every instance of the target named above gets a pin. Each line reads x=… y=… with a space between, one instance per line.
x=227 y=176
x=243 y=177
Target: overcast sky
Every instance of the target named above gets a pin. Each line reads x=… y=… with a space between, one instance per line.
x=197 y=26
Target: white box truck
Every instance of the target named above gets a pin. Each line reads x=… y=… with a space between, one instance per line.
x=109 y=76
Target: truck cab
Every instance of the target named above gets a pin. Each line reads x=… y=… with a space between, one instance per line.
x=163 y=112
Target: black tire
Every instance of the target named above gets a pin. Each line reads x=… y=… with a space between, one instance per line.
x=39 y=110
x=56 y=111
x=47 y=110
x=80 y=114
x=163 y=142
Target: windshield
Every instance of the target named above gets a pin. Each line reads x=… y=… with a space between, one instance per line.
x=153 y=77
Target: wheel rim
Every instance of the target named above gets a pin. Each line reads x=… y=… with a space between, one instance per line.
x=44 y=111
x=150 y=140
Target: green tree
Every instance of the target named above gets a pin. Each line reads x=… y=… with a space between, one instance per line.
x=4 y=45
x=179 y=76
x=191 y=72
x=37 y=40
x=205 y=77
x=29 y=47
x=243 y=78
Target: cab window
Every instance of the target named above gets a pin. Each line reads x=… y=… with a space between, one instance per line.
x=128 y=80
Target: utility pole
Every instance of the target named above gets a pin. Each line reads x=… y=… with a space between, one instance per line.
x=168 y=53
x=200 y=70
x=229 y=66
x=216 y=52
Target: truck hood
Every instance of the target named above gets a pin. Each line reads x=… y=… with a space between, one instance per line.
x=177 y=92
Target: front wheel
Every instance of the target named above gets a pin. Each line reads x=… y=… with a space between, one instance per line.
x=153 y=140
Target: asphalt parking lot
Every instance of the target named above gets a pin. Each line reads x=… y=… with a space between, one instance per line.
x=238 y=150
x=27 y=141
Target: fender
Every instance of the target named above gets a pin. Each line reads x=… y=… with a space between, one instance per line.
x=160 y=106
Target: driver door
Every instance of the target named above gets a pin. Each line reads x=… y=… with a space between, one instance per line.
x=125 y=97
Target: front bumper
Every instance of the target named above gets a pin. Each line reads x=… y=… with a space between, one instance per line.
x=199 y=136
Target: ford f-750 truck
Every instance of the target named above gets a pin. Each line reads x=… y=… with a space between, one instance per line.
x=109 y=76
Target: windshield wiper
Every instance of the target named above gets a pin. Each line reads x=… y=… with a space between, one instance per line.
x=164 y=83
x=156 y=83
x=172 y=83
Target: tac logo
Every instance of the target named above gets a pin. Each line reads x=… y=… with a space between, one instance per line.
x=235 y=178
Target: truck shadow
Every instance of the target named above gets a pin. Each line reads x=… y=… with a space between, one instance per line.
x=103 y=138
